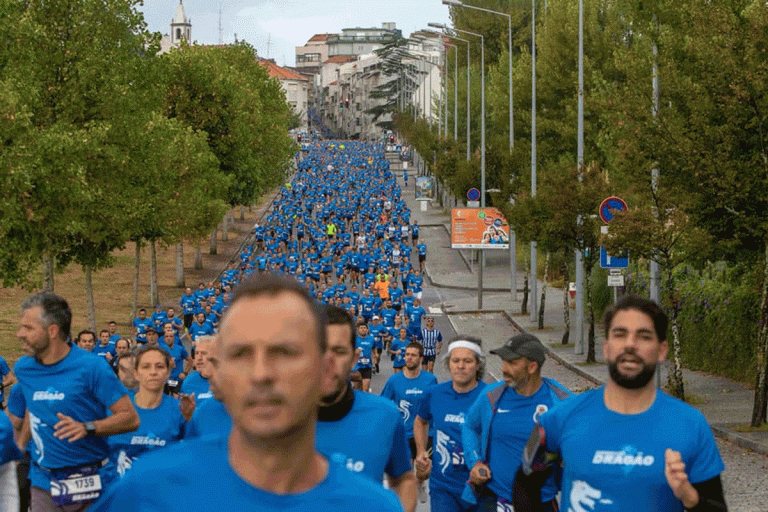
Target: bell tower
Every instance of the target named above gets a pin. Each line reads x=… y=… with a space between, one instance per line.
x=181 y=26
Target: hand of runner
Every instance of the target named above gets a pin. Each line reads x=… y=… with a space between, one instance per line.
x=677 y=478
x=423 y=464
x=69 y=429
x=479 y=474
x=187 y=405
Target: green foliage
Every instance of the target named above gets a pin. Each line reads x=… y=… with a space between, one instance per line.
x=719 y=319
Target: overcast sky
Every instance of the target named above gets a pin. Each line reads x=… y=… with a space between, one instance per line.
x=284 y=24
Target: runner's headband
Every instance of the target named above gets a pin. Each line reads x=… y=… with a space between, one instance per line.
x=474 y=347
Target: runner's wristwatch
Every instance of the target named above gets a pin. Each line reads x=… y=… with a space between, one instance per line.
x=90 y=428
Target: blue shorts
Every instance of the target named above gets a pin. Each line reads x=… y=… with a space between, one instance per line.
x=446 y=501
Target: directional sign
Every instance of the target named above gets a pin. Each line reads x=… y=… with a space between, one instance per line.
x=608 y=261
x=609 y=206
x=473 y=194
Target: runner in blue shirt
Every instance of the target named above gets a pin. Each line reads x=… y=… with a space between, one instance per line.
x=366 y=344
x=498 y=424
x=200 y=327
x=406 y=390
x=105 y=348
x=196 y=384
x=363 y=432
x=161 y=421
x=271 y=384
x=179 y=365
x=68 y=393
x=140 y=324
x=444 y=407
x=627 y=446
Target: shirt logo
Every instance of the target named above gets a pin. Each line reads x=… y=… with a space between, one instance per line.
x=455 y=418
x=47 y=395
x=413 y=391
x=405 y=409
x=629 y=457
x=147 y=441
x=540 y=409
x=502 y=410
x=584 y=497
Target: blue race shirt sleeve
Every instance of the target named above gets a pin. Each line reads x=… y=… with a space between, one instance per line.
x=400 y=454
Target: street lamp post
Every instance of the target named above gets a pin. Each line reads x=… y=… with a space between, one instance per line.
x=469 y=124
x=482 y=151
x=512 y=237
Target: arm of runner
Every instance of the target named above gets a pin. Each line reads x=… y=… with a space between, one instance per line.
x=420 y=435
x=705 y=496
x=9 y=380
x=124 y=418
x=470 y=440
x=405 y=488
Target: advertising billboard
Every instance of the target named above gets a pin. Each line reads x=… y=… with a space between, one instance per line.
x=479 y=228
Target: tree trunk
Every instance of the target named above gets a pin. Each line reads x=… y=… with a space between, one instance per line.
x=48 y=272
x=136 y=266
x=524 y=305
x=180 y=265
x=89 y=297
x=761 y=384
x=544 y=292
x=675 y=380
x=199 y=257
x=154 y=297
x=225 y=228
x=566 y=304
x=214 y=241
x=591 y=312
x=242 y=214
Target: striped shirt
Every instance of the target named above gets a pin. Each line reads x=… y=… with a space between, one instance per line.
x=430 y=339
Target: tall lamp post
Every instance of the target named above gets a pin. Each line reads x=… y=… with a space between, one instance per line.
x=512 y=237
x=465 y=41
x=482 y=149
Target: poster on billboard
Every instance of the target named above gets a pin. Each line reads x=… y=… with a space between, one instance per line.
x=425 y=187
x=479 y=228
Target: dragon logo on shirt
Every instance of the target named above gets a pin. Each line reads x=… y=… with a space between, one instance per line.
x=441 y=446
x=584 y=495
x=405 y=409
x=124 y=463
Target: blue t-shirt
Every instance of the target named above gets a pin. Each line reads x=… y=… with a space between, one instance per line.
x=615 y=462
x=179 y=355
x=197 y=385
x=196 y=475
x=445 y=410
x=197 y=329
x=209 y=418
x=81 y=386
x=141 y=328
x=161 y=426
x=510 y=429
x=407 y=394
x=366 y=343
x=8 y=449
x=350 y=440
x=4 y=370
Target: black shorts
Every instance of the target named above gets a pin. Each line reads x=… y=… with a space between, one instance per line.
x=412 y=444
x=422 y=258
x=427 y=359
x=365 y=372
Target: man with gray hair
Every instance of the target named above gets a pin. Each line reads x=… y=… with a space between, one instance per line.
x=74 y=402
x=498 y=424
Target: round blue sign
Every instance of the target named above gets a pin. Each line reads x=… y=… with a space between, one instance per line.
x=473 y=194
x=610 y=205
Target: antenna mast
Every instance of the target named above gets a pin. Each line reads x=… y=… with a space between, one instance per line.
x=221 y=30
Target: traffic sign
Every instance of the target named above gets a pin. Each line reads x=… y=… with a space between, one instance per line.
x=608 y=261
x=473 y=194
x=609 y=206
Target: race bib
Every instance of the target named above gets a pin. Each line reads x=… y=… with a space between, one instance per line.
x=364 y=360
x=77 y=489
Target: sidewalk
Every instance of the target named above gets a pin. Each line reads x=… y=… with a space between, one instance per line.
x=723 y=402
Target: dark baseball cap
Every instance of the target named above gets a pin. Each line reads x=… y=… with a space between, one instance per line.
x=150 y=328
x=522 y=345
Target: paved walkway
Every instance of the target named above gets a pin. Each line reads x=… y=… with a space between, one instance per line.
x=725 y=403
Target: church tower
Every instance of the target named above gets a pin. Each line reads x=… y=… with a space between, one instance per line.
x=181 y=26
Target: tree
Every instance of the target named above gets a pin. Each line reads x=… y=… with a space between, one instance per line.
x=74 y=72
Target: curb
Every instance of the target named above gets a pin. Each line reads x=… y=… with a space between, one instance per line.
x=738 y=440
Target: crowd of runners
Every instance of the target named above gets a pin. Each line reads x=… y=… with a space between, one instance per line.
x=270 y=408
